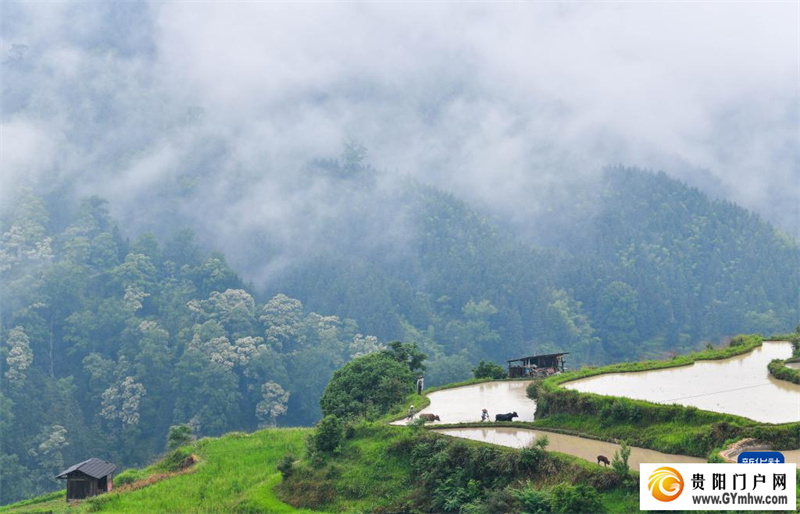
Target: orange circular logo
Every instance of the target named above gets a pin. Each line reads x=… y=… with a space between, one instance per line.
x=665 y=484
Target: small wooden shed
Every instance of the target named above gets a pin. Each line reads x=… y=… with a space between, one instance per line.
x=537 y=365
x=89 y=478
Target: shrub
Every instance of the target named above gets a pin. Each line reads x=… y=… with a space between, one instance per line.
x=778 y=369
x=739 y=340
x=501 y=500
x=179 y=435
x=488 y=369
x=532 y=391
x=417 y=425
x=328 y=435
x=128 y=476
x=533 y=501
x=532 y=456
x=620 y=460
x=575 y=498
x=177 y=459
x=285 y=466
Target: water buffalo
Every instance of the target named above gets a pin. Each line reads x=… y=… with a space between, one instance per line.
x=603 y=459
x=429 y=417
x=506 y=417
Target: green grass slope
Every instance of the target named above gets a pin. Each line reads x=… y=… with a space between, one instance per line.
x=234 y=473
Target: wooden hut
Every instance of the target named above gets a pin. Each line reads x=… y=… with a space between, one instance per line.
x=89 y=478
x=536 y=365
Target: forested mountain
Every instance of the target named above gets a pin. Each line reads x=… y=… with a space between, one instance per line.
x=637 y=264
x=107 y=340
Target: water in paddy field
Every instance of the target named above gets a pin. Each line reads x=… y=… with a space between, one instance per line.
x=464 y=404
x=740 y=385
x=587 y=449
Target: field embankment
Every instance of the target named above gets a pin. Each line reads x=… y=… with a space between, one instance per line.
x=666 y=428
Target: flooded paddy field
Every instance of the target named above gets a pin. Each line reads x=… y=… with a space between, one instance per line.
x=739 y=385
x=587 y=449
x=464 y=404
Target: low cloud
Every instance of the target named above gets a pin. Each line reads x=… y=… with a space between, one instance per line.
x=211 y=112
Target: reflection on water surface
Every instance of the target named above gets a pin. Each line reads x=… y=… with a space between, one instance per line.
x=587 y=449
x=740 y=385
x=464 y=404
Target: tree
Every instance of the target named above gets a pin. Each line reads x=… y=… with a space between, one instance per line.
x=283 y=316
x=179 y=435
x=474 y=331
x=363 y=345
x=620 y=460
x=273 y=403
x=48 y=446
x=374 y=382
x=446 y=369
x=489 y=370
x=407 y=353
x=235 y=309
x=19 y=356
x=208 y=391
x=121 y=402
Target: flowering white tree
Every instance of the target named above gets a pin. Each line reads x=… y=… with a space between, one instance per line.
x=363 y=345
x=19 y=356
x=234 y=308
x=121 y=402
x=273 y=403
x=283 y=317
x=47 y=447
x=133 y=298
x=247 y=347
x=25 y=245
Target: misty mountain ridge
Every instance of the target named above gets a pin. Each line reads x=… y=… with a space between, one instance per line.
x=109 y=340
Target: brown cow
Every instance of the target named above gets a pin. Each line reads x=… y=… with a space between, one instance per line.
x=603 y=459
x=429 y=417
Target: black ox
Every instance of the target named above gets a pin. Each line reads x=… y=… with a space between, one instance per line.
x=506 y=417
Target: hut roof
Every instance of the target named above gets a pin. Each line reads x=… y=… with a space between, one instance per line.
x=95 y=468
x=535 y=356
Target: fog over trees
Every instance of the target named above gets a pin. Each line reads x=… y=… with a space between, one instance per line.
x=207 y=209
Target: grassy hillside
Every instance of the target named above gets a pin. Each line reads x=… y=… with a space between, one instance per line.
x=379 y=468
x=234 y=473
x=376 y=469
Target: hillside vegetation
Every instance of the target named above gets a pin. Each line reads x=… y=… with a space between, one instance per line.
x=234 y=473
x=375 y=468
x=353 y=461
x=107 y=341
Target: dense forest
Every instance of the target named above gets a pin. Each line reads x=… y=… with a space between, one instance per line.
x=111 y=337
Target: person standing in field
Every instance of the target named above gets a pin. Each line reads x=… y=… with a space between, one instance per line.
x=411 y=413
x=420 y=383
